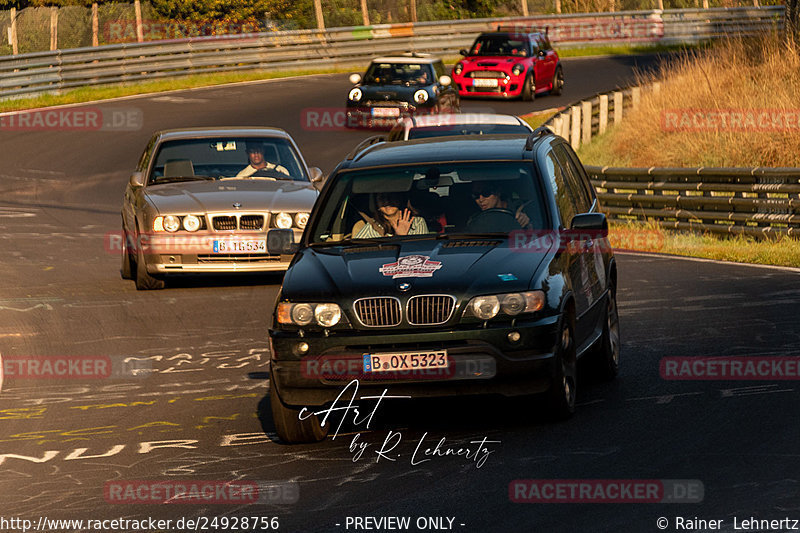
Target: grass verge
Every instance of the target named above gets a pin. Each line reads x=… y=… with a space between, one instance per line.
x=649 y=237
x=737 y=104
x=88 y=94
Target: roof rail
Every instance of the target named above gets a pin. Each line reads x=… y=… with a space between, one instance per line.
x=369 y=141
x=522 y=28
x=541 y=131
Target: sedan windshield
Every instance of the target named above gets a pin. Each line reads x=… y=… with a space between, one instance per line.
x=399 y=74
x=226 y=158
x=431 y=201
x=498 y=45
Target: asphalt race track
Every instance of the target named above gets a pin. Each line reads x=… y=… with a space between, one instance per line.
x=196 y=409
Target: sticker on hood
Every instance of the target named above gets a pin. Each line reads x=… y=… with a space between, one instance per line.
x=411 y=266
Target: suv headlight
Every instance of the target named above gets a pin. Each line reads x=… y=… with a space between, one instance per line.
x=421 y=96
x=511 y=304
x=326 y=315
x=517 y=69
x=355 y=94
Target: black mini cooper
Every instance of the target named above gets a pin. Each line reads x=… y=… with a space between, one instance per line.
x=442 y=267
x=400 y=86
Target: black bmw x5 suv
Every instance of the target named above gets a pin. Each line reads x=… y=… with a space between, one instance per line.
x=495 y=277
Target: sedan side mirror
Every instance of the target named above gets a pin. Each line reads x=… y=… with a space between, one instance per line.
x=281 y=242
x=355 y=78
x=317 y=178
x=462 y=52
x=136 y=179
x=590 y=221
x=445 y=80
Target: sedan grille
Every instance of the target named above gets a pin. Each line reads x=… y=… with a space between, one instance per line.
x=224 y=223
x=251 y=222
x=430 y=309
x=379 y=311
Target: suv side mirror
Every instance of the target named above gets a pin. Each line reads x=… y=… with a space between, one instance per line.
x=136 y=179
x=590 y=221
x=281 y=242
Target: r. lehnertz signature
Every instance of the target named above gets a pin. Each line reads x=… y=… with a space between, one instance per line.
x=477 y=450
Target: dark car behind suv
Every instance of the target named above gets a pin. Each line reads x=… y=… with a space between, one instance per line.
x=467 y=299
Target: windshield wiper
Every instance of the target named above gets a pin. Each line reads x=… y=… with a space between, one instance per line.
x=162 y=179
x=351 y=242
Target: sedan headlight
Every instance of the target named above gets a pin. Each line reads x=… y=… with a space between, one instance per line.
x=283 y=220
x=421 y=96
x=301 y=219
x=172 y=223
x=191 y=223
x=511 y=304
x=326 y=315
x=458 y=68
x=517 y=69
x=355 y=94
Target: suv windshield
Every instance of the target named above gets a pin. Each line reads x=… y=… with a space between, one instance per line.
x=226 y=157
x=430 y=200
x=399 y=74
x=498 y=45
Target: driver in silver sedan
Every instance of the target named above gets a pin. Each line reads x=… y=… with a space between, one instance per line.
x=257 y=161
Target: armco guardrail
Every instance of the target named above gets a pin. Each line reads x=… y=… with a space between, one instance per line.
x=34 y=73
x=758 y=202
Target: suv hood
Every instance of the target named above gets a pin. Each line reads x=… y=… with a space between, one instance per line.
x=457 y=267
x=216 y=196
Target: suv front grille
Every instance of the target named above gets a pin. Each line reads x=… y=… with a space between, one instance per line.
x=429 y=310
x=378 y=311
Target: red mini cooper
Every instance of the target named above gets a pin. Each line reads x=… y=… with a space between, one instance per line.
x=509 y=63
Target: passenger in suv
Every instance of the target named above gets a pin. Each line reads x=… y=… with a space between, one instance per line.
x=477 y=308
x=512 y=62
